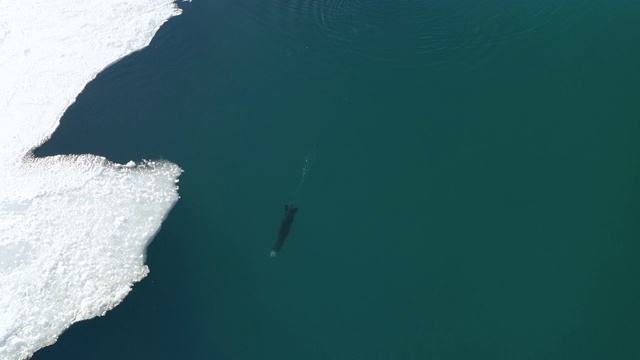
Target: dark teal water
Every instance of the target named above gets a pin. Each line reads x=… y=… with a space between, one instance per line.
x=473 y=192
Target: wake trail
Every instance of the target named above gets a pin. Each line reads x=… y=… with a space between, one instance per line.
x=306 y=166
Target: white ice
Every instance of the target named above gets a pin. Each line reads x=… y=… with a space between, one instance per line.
x=73 y=229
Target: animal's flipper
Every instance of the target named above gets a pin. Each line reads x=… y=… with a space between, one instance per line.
x=273 y=253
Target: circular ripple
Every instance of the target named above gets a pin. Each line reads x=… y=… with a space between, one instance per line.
x=416 y=33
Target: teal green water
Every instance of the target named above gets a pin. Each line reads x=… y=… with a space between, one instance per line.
x=473 y=192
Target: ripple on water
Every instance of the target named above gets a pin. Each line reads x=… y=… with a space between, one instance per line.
x=416 y=33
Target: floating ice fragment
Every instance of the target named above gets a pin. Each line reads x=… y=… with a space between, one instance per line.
x=73 y=229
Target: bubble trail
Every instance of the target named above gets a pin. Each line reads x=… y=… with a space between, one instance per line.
x=306 y=166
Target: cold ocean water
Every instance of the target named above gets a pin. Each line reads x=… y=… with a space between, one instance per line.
x=466 y=171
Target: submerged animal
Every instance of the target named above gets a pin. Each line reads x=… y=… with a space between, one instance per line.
x=285 y=226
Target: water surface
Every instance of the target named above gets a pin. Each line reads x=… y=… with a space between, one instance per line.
x=473 y=192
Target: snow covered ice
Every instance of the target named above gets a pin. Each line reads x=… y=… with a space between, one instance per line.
x=73 y=229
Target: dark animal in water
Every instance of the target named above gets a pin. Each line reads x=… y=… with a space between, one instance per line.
x=285 y=226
